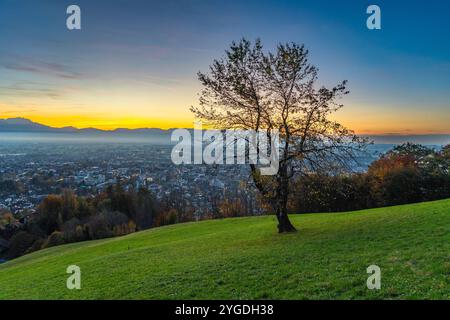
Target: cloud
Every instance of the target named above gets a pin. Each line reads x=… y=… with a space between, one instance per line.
x=26 y=64
x=30 y=89
x=14 y=112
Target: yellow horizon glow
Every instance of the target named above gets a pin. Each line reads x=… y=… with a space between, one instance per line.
x=109 y=114
x=130 y=122
x=139 y=105
x=83 y=122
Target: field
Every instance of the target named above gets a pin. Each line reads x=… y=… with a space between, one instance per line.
x=244 y=258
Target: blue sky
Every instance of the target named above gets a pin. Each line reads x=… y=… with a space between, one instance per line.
x=134 y=62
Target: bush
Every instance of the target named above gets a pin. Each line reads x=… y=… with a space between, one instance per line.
x=166 y=217
x=117 y=222
x=408 y=173
x=401 y=186
x=324 y=193
x=19 y=244
x=71 y=231
x=98 y=228
x=37 y=245
x=55 y=239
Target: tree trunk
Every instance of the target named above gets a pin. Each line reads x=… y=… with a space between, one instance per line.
x=284 y=224
x=279 y=203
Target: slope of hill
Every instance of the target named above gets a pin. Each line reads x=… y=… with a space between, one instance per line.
x=244 y=258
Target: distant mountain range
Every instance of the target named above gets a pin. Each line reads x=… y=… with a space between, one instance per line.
x=25 y=127
x=20 y=129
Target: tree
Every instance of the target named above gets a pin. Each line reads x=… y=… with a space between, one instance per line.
x=50 y=213
x=53 y=240
x=446 y=151
x=250 y=89
x=70 y=205
x=6 y=218
x=144 y=209
x=19 y=244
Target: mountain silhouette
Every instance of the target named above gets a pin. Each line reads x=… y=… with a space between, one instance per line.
x=26 y=125
x=22 y=125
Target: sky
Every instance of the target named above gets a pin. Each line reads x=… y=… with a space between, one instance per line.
x=134 y=62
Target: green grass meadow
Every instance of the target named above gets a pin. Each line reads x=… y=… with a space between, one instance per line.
x=245 y=258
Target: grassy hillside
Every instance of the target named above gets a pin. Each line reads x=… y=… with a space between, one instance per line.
x=245 y=258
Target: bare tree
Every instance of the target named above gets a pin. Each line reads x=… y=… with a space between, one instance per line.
x=250 y=89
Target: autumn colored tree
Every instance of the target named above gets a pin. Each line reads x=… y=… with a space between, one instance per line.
x=50 y=213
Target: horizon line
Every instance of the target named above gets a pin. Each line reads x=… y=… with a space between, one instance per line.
x=173 y=128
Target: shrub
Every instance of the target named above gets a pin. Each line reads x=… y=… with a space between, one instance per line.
x=55 y=239
x=401 y=186
x=98 y=228
x=166 y=217
x=70 y=232
x=19 y=244
x=117 y=223
x=37 y=245
x=324 y=193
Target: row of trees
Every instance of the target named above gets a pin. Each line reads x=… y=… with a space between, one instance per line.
x=408 y=173
x=68 y=218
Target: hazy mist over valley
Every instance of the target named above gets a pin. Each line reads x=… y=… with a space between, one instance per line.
x=19 y=129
